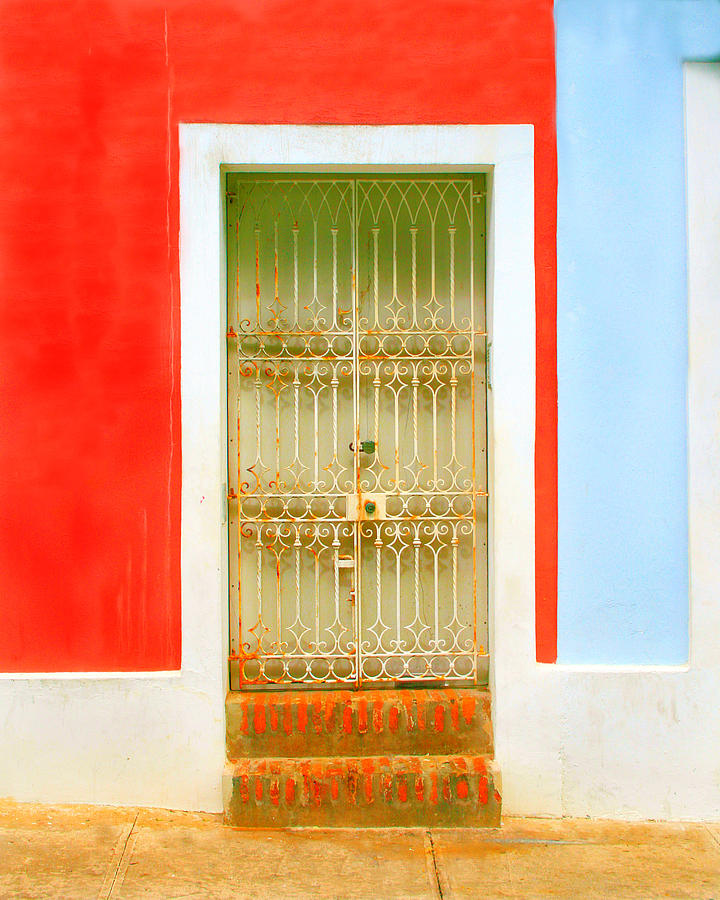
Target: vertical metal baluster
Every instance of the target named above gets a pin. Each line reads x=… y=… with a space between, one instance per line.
x=258 y=433
x=396 y=396
x=296 y=278
x=434 y=393
x=432 y=270
x=257 y=277
x=453 y=407
x=413 y=273
x=451 y=234
x=317 y=599
x=415 y=385
x=376 y=273
x=315 y=266
x=398 y=630
x=394 y=264
x=416 y=563
x=316 y=432
x=276 y=298
x=454 y=543
x=258 y=587
x=298 y=613
x=296 y=435
x=334 y=233
x=376 y=392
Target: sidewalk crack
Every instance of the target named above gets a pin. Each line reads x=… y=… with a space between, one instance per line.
x=432 y=866
x=122 y=852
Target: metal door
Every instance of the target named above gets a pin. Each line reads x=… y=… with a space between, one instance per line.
x=357 y=429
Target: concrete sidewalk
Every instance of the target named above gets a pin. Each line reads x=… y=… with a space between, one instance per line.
x=99 y=853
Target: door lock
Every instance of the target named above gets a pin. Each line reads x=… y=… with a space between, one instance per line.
x=364 y=507
x=364 y=447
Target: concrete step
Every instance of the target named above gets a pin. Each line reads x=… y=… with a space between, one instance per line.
x=358 y=723
x=363 y=792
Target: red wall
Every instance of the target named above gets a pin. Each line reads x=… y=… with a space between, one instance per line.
x=92 y=93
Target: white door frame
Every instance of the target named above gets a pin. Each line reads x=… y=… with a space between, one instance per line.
x=505 y=152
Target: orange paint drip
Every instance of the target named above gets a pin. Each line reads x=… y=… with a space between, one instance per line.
x=462 y=789
x=316 y=792
x=468 y=709
x=317 y=715
x=434 y=788
x=446 y=792
x=258 y=788
x=275 y=792
x=244 y=726
x=334 y=788
x=302 y=716
x=394 y=719
x=244 y=788
x=483 y=790
x=420 y=706
x=259 y=718
x=330 y=715
x=273 y=718
x=419 y=788
x=378 y=716
x=347 y=718
x=290 y=791
x=287 y=718
x=439 y=718
x=386 y=787
x=369 y=788
x=362 y=716
x=402 y=790
x=454 y=714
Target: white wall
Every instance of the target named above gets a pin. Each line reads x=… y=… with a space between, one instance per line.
x=638 y=742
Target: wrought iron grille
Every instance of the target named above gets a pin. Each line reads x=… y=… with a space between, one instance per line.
x=357 y=429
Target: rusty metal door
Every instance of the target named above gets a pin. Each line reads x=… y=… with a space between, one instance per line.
x=357 y=429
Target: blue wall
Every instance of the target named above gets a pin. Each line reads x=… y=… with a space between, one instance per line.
x=622 y=325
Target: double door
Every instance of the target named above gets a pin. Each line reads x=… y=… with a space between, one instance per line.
x=356 y=429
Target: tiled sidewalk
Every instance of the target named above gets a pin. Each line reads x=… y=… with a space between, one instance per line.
x=79 y=852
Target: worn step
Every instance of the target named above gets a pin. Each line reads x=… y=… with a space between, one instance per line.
x=358 y=723
x=363 y=792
